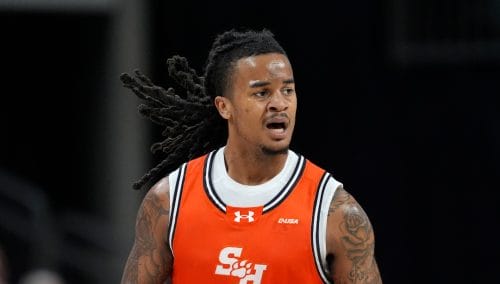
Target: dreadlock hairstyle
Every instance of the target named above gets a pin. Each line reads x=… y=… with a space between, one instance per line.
x=192 y=124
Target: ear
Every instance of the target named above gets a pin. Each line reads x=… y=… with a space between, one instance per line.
x=223 y=105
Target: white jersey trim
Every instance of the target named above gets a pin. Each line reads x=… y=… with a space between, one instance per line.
x=176 y=183
x=292 y=171
x=236 y=194
x=324 y=197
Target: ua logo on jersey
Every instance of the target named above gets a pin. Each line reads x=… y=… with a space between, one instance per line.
x=231 y=265
x=243 y=215
x=248 y=217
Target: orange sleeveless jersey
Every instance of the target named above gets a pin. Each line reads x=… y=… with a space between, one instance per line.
x=274 y=243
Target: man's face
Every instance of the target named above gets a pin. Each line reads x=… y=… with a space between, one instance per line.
x=261 y=103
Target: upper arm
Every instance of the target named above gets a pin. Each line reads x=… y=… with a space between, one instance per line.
x=150 y=259
x=350 y=241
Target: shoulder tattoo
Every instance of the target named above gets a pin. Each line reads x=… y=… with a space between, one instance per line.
x=148 y=258
x=357 y=239
x=339 y=198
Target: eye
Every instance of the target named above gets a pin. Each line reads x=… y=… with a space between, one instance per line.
x=288 y=91
x=261 y=94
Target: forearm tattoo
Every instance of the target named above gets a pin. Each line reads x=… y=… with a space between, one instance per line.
x=148 y=259
x=357 y=239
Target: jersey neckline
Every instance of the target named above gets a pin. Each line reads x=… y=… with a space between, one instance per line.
x=285 y=190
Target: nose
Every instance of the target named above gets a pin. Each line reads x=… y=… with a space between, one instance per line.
x=278 y=102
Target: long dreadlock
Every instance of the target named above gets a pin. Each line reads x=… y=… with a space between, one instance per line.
x=192 y=124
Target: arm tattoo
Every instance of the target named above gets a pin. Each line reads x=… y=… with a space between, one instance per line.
x=131 y=269
x=357 y=240
x=148 y=259
x=338 y=199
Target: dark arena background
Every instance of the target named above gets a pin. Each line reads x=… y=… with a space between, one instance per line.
x=399 y=99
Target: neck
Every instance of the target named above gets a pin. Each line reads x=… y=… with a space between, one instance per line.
x=252 y=167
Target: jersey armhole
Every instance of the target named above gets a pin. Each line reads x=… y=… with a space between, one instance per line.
x=175 y=182
x=331 y=187
x=173 y=177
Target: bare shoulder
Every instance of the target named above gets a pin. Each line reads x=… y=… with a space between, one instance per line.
x=346 y=220
x=155 y=207
x=150 y=260
x=160 y=190
x=351 y=241
x=341 y=198
x=344 y=204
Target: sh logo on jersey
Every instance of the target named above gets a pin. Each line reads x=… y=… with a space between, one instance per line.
x=232 y=265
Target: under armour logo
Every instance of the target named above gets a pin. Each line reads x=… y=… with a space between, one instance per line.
x=248 y=216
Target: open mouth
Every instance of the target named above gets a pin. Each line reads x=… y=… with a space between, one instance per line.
x=276 y=125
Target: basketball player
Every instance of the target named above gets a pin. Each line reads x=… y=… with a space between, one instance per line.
x=239 y=206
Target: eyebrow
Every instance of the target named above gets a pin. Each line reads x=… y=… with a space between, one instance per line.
x=259 y=84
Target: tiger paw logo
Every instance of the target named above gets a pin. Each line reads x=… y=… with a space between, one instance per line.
x=241 y=269
x=231 y=265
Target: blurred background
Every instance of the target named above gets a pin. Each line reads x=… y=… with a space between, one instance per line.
x=398 y=99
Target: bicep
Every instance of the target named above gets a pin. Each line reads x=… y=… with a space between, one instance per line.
x=351 y=241
x=150 y=259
